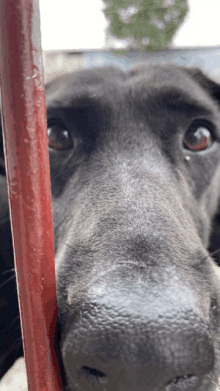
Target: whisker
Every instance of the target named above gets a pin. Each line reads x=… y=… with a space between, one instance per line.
x=17 y=318
x=7 y=271
x=19 y=341
x=18 y=327
x=215 y=382
x=215 y=252
x=8 y=280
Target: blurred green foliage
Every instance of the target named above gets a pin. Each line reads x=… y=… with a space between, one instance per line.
x=144 y=24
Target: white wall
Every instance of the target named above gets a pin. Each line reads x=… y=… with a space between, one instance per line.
x=78 y=25
x=201 y=26
x=72 y=24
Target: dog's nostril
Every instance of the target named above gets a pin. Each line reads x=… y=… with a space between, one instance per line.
x=93 y=373
x=183 y=383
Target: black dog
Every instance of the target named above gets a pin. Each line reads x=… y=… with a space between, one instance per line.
x=135 y=171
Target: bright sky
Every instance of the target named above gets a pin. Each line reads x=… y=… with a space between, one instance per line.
x=80 y=25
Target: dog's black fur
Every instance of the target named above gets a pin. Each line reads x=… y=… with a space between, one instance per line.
x=135 y=172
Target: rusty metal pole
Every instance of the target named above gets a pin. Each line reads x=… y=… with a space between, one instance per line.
x=27 y=164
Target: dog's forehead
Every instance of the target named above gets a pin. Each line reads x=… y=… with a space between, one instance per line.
x=84 y=84
x=113 y=77
x=109 y=86
x=171 y=82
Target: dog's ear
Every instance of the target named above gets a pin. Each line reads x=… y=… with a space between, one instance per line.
x=209 y=84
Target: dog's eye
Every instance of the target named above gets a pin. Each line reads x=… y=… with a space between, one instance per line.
x=58 y=136
x=197 y=138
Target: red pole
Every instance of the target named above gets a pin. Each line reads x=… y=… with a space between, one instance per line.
x=24 y=123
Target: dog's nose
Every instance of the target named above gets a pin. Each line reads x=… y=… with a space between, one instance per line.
x=125 y=339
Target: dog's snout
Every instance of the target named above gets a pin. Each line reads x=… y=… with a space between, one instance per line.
x=124 y=340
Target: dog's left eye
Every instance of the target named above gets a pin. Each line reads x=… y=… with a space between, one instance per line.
x=197 y=138
x=58 y=136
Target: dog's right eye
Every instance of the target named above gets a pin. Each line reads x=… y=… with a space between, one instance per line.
x=58 y=136
x=198 y=137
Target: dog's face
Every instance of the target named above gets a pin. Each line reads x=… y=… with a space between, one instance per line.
x=135 y=172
